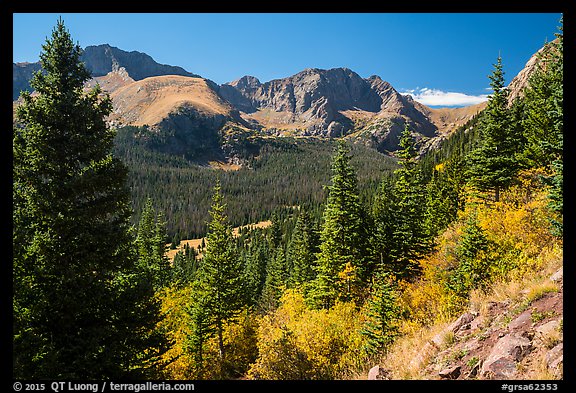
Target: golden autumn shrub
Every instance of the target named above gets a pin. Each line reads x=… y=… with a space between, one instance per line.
x=295 y=342
x=179 y=361
x=518 y=233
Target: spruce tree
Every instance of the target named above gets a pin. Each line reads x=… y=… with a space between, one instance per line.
x=343 y=240
x=255 y=261
x=381 y=326
x=544 y=122
x=275 y=283
x=219 y=276
x=445 y=195
x=83 y=307
x=184 y=266
x=495 y=162
x=473 y=265
x=302 y=249
x=383 y=213
x=151 y=245
x=407 y=238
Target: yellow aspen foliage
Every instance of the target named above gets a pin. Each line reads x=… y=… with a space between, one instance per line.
x=178 y=364
x=178 y=361
x=518 y=232
x=295 y=342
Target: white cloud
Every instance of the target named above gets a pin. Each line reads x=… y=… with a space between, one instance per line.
x=435 y=97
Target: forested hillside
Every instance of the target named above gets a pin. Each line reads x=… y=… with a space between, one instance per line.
x=365 y=253
x=280 y=173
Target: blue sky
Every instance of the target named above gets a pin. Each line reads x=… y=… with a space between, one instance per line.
x=442 y=59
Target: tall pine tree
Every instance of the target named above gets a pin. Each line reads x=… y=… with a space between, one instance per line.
x=151 y=245
x=343 y=238
x=302 y=249
x=381 y=326
x=401 y=235
x=83 y=308
x=495 y=163
x=544 y=122
x=219 y=276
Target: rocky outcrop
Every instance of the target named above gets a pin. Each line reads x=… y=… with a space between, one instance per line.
x=520 y=82
x=320 y=101
x=102 y=59
x=506 y=340
x=504 y=356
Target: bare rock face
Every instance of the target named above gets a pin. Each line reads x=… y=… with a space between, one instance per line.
x=102 y=59
x=320 y=99
x=520 y=82
x=555 y=359
x=501 y=362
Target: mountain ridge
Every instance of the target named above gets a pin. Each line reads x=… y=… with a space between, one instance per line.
x=316 y=102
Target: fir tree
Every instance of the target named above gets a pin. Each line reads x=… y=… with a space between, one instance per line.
x=255 y=261
x=343 y=240
x=151 y=245
x=494 y=163
x=382 y=322
x=302 y=249
x=400 y=221
x=83 y=307
x=445 y=196
x=275 y=283
x=201 y=326
x=184 y=266
x=473 y=269
x=219 y=276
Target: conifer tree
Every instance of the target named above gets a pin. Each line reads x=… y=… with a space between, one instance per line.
x=151 y=245
x=495 y=162
x=381 y=326
x=275 y=283
x=302 y=250
x=473 y=269
x=383 y=213
x=83 y=307
x=400 y=215
x=255 y=261
x=343 y=240
x=219 y=276
x=201 y=326
x=444 y=195
x=184 y=266
x=544 y=121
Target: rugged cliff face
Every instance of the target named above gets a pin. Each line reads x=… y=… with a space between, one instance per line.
x=519 y=83
x=101 y=60
x=314 y=102
x=319 y=102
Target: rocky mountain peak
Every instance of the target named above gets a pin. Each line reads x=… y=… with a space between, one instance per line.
x=246 y=82
x=102 y=59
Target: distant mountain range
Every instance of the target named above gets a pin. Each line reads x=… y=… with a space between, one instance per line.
x=314 y=102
